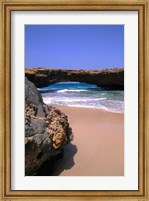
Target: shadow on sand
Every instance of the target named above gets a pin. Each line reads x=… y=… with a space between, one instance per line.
x=67 y=162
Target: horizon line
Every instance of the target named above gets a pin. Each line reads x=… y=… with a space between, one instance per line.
x=63 y=68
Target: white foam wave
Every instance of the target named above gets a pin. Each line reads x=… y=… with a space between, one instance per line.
x=71 y=90
x=64 y=99
x=84 y=103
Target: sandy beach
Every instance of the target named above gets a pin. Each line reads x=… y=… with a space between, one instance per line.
x=98 y=145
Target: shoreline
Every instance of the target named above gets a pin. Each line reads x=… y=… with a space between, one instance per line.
x=88 y=108
x=98 y=145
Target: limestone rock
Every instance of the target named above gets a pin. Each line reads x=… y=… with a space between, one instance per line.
x=47 y=131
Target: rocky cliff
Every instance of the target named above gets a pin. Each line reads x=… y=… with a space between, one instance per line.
x=47 y=131
x=111 y=78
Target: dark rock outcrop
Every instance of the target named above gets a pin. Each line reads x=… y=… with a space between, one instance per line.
x=111 y=78
x=47 y=131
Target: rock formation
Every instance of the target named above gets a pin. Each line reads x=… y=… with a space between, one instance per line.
x=46 y=131
x=111 y=78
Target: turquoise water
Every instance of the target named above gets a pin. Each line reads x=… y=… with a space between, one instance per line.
x=75 y=94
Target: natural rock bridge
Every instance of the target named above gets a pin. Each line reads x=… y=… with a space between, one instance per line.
x=110 y=78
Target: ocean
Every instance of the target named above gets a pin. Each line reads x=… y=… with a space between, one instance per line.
x=75 y=94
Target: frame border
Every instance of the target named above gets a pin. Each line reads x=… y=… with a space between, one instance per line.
x=5 y=108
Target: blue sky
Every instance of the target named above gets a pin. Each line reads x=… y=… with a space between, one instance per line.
x=74 y=46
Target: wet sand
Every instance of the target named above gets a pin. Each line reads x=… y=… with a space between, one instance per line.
x=98 y=145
